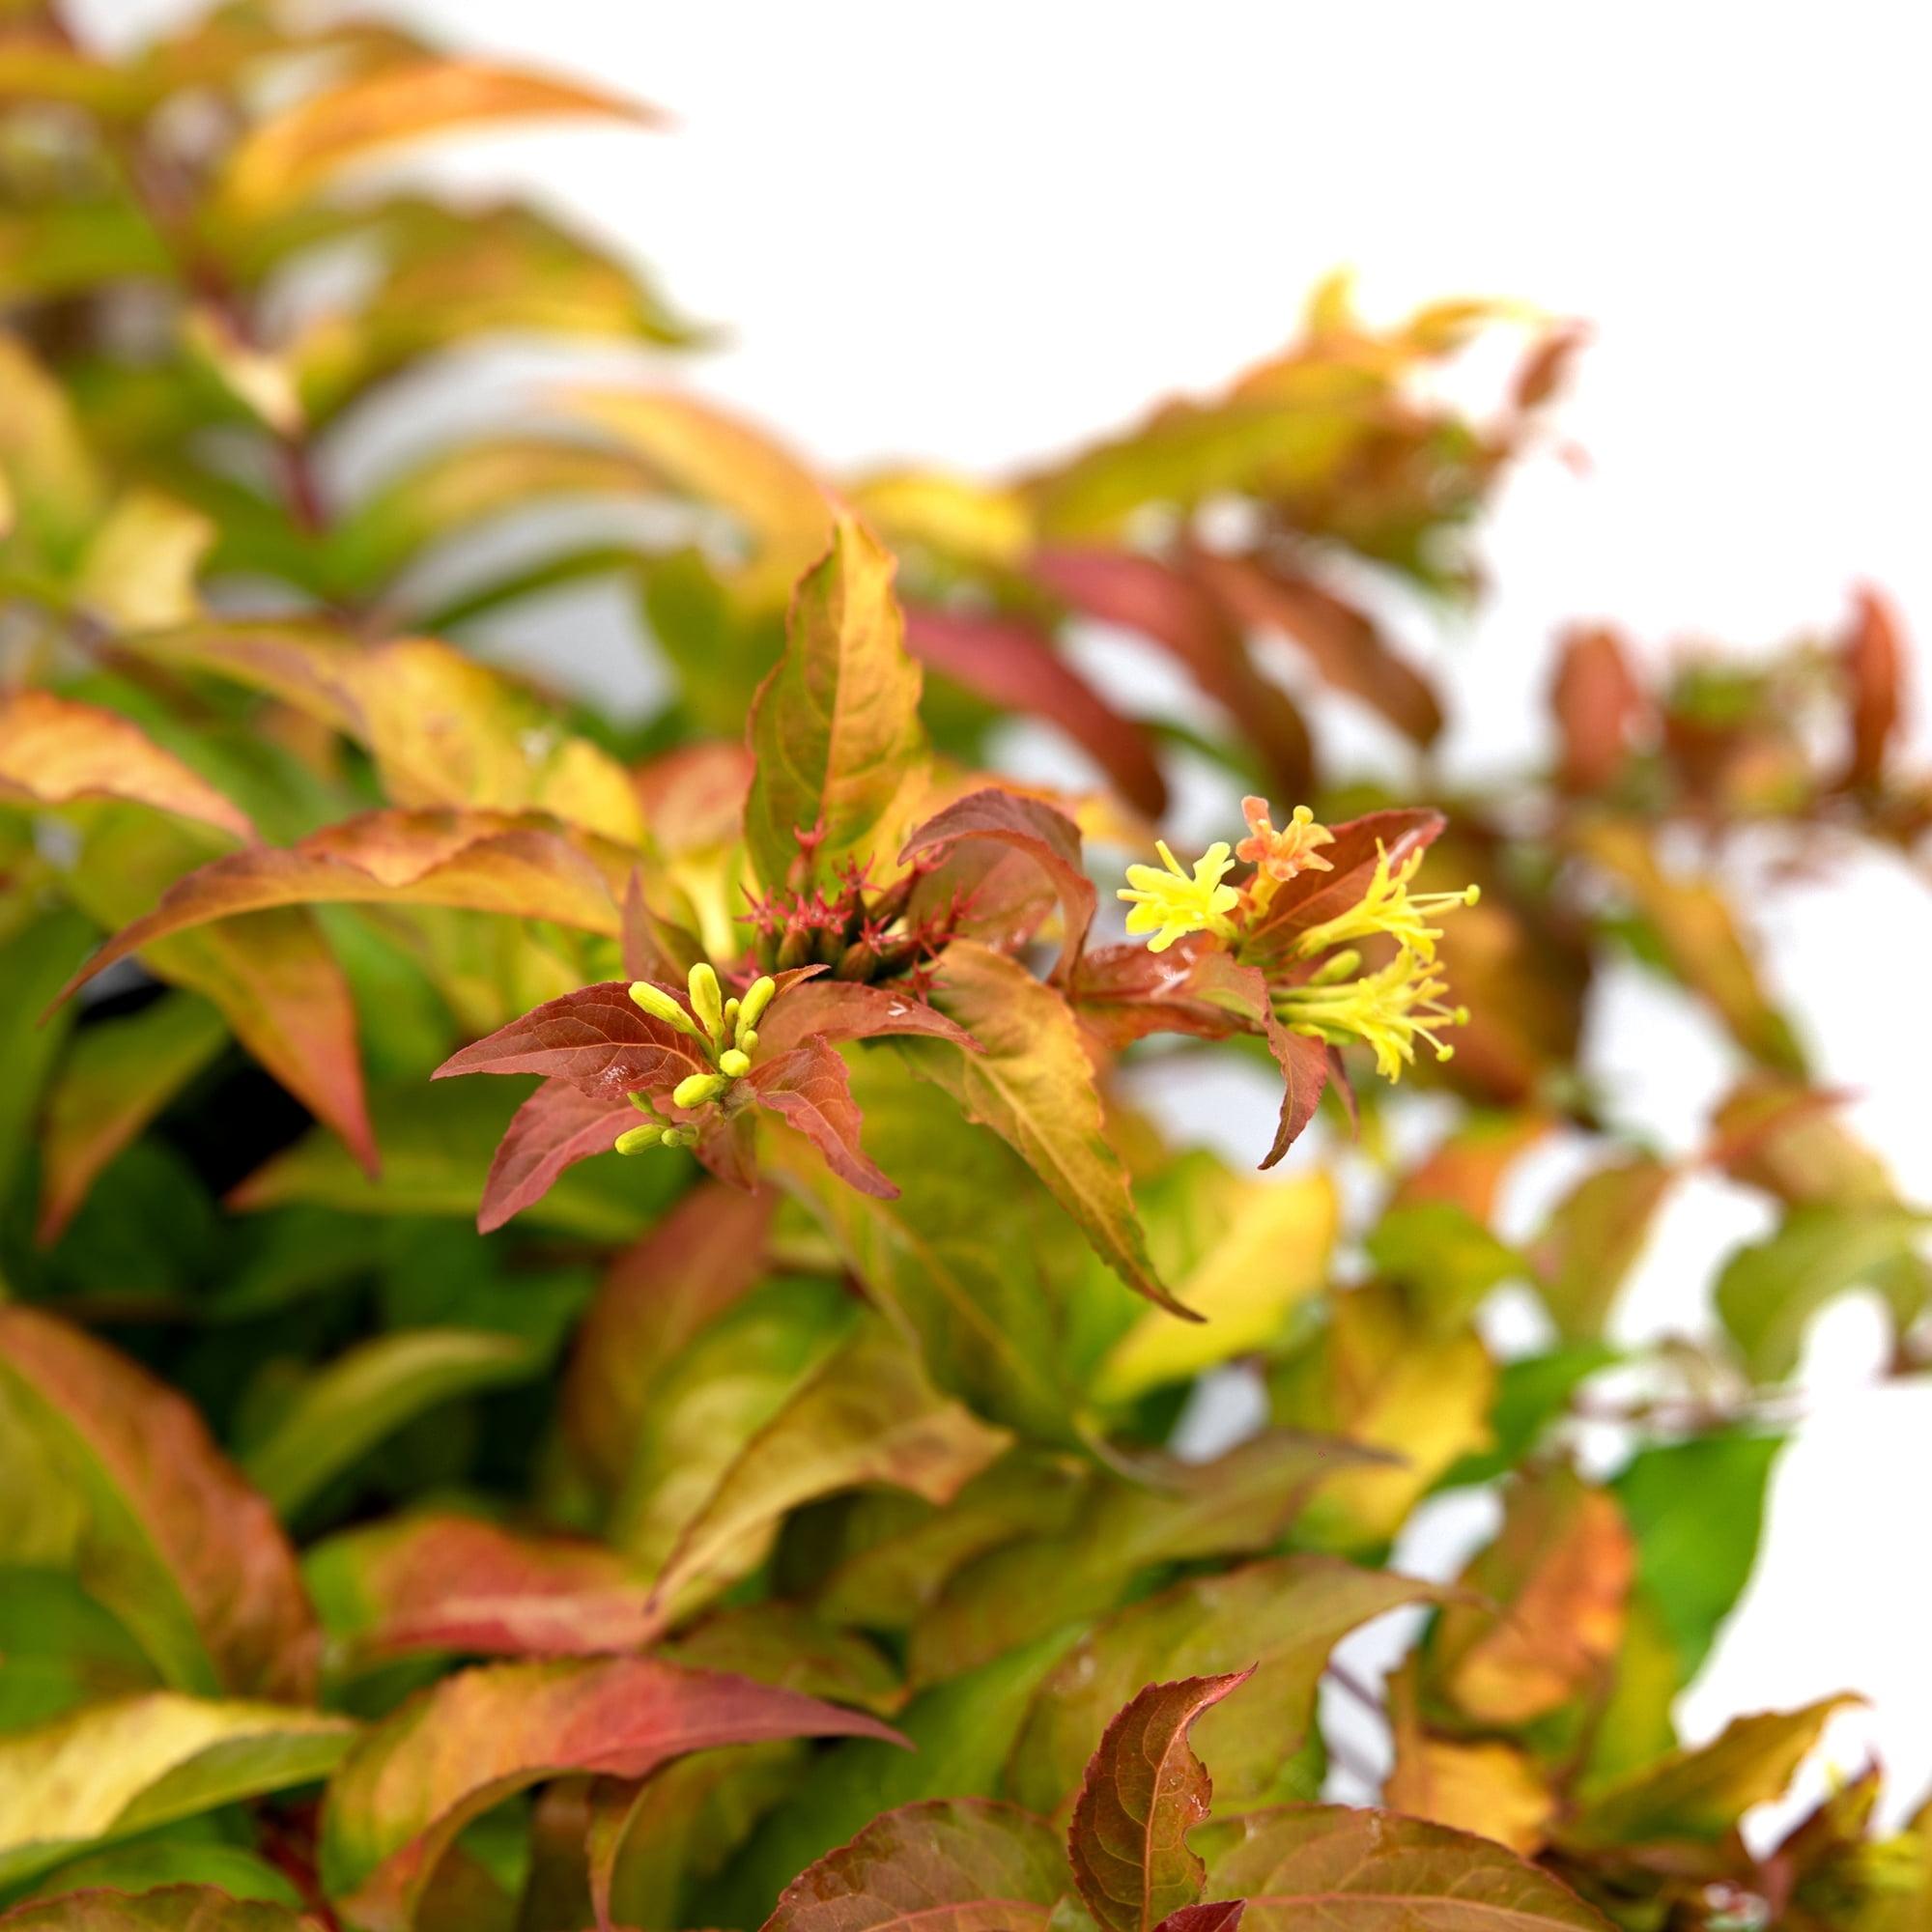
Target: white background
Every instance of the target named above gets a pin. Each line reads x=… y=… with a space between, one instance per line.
x=979 y=234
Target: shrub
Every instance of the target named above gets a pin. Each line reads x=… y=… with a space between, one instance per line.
x=598 y=1564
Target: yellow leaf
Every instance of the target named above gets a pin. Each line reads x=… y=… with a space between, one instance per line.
x=299 y=151
x=1268 y=1254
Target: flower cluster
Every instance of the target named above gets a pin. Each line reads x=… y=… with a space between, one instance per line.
x=1387 y=1008
x=727 y=1029
x=858 y=930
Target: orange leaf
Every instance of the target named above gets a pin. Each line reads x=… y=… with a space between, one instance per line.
x=53 y=751
x=484 y=861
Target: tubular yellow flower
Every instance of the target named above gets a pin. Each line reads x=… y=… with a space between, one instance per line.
x=1388 y=1010
x=1168 y=904
x=1282 y=855
x=1388 y=907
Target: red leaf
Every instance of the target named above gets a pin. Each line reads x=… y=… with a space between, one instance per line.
x=845 y=1010
x=810 y=1090
x=173 y=1539
x=1015 y=667
x=598 y=1039
x=1600 y=706
x=1049 y=836
x=1162 y=604
x=411 y=1786
x=1345 y=648
x=559 y=1125
x=1872 y=661
x=1305 y=1062
x=1223 y=1917
x=961 y=1865
x=455 y=1582
x=1145 y=1791
x=485 y=862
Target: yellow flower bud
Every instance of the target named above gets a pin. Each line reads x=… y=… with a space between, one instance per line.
x=734 y=1063
x=660 y=1004
x=706 y=1000
x=635 y=1140
x=694 y=1089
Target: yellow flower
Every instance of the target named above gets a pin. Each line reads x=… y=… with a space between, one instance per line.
x=1281 y=855
x=1169 y=904
x=1388 y=907
x=1387 y=1009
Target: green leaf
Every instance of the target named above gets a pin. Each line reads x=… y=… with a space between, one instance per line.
x=174 y=1908
x=1696 y=1509
x=1700 y=1795
x=835 y=730
x=111 y=1770
x=1593 y=1238
x=973 y=1257
x=113 y=1476
x=960 y=1734
x=731 y=1383
x=868 y=1416
x=1280 y=1618
x=447 y=1757
x=369 y=1393
x=1770 y=1289
x=1033 y=1086
x=1242 y=1503
x=121 y=1073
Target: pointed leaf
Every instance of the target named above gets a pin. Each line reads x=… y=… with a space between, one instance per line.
x=109 y=1770
x=119 y=1481
x=119 y=1074
x=598 y=1039
x=1281 y=1619
x=1145 y=1791
x=1362 y=1870
x=298 y=151
x=1027 y=825
x=1242 y=1503
x=956 y=1865
x=1699 y=1794
x=811 y=1090
x=868 y=1417
x=1600 y=707
x=366 y=1394
x=53 y=749
x=834 y=729
x=1593 y=1238
x=659 y=1293
x=456 y=1582
x=559 y=1125
x=1033 y=1086
x=411 y=1786
x=837 y=1010
x=483 y=861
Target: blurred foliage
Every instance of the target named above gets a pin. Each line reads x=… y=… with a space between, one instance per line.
x=414 y=1513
